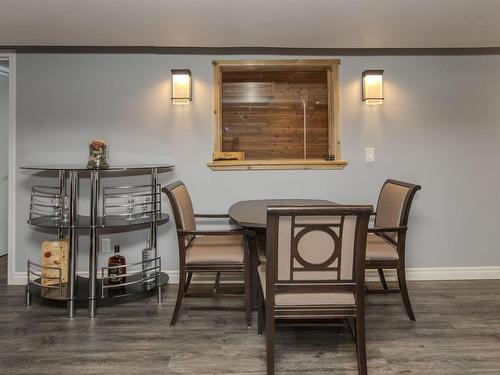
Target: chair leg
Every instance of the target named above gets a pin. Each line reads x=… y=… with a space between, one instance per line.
x=248 y=293
x=261 y=312
x=180 y=294
x=404 y=292
x=217 y=283
x=188 y=282
x=352 y=327
x=254 y=278
x=382 y=278
x=270 y=341
x=361 y=343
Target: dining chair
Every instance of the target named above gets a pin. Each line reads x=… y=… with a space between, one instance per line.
x=314 y=270
x=386 y=243
x=205 y=250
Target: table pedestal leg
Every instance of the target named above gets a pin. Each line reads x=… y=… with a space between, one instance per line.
x=258 y=241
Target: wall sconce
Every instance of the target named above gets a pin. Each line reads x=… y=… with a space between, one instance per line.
x=373 y=87
x=181 y=86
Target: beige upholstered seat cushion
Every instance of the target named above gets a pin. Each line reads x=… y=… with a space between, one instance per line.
x=306 y=299
x=379 y=249
x=216 y=249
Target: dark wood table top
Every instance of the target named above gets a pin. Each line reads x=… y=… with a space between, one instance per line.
x=253 y=214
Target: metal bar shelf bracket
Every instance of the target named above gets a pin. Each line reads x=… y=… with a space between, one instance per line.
x=145 y=273
x=49 y=202
x=132 y=202
x=48 y=281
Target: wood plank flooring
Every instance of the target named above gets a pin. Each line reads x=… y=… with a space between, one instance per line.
x=457 y=332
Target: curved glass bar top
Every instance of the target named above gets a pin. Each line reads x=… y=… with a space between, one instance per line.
x=57 y=207
x=111 y=168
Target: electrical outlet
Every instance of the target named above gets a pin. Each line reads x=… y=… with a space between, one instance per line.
x=369 y=154
x=106 y=245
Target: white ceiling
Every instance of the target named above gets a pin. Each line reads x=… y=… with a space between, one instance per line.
x=252 y=23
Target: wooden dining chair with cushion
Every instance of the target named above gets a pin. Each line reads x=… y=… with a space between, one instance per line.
x=314 y=269
x=385 y=248
x=205 y=250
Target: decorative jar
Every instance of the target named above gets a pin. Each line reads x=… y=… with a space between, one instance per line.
x=98 y=154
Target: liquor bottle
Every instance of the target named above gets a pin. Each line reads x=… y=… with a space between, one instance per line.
x=148 y=264
x=114 y=273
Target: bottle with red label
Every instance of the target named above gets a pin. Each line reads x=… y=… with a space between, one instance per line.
x=116 y=272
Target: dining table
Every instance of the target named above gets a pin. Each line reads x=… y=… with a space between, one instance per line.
x=252 y=215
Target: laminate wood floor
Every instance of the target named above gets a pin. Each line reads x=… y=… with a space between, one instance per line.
x=457 y=332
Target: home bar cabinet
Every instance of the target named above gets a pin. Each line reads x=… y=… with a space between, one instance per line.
x=111 y=209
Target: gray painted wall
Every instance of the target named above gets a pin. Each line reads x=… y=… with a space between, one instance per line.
x=4 y=160
x=439 y=127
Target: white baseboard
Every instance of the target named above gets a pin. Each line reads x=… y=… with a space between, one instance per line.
x=453 y=273
x=412 y=274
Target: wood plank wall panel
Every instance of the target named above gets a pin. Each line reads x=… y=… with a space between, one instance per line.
x=263 y=113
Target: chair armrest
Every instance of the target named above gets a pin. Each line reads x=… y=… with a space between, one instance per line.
x=387 y=229
x=228 y=232
x=215 y=216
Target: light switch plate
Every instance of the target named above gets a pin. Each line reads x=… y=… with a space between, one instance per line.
x=370 y=154
x=106 y=245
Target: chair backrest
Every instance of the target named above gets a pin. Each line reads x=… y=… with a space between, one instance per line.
x=313 y=249
x=182 y=207
x=394 y=202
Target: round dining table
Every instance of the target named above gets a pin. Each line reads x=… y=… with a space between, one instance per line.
x=252 y=214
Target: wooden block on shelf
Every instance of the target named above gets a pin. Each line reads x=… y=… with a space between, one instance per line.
x=54 y=254
x=229 y=155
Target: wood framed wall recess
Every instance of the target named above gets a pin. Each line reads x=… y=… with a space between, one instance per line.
x=280 y=114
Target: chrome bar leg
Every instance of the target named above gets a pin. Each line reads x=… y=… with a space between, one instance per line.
x=27 y=288
x=62 y=193
x=158 y=281
x=73 y=243
x=94 y=242
x=159 y=289
x=28 y=296
x=70 y=308
x=154 y=224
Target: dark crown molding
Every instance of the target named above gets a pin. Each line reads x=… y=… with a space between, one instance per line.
x=257 y=50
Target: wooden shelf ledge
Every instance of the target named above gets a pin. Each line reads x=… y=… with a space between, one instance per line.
x=240 y=165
